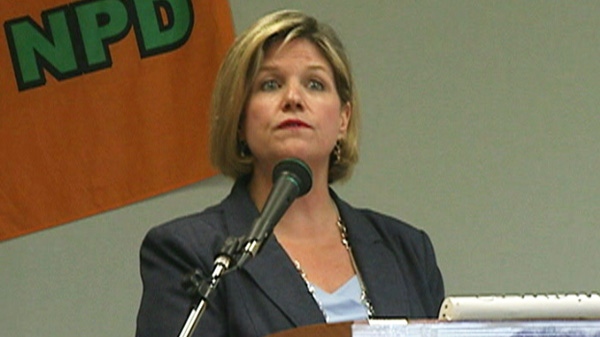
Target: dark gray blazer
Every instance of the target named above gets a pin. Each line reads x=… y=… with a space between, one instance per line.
x=267 y=294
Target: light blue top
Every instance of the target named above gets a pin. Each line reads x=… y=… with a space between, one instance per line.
x=344 y=304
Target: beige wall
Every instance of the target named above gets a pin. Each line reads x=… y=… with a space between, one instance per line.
x=481 y=126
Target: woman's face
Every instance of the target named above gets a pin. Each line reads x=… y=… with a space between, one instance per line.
x=294 y=109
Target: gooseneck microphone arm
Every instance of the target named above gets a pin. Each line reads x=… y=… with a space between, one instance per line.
x=292 y=178
x=201 y=288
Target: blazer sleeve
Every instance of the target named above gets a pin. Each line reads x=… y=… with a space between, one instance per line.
x=167 y=254
x=433 y=275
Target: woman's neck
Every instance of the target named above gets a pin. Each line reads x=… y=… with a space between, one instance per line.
x=308 y=215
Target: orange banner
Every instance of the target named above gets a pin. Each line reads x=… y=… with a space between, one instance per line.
x=103 y=103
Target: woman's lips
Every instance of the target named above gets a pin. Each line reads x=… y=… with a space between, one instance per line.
x=292 y=123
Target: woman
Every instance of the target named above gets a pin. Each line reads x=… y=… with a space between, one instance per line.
x=285 y=90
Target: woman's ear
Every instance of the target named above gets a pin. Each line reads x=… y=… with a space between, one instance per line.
x=345 y=114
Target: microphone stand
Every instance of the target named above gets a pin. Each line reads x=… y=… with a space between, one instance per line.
x=225 y=261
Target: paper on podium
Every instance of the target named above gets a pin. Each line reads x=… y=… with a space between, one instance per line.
x=556 y=306
x=572 y=328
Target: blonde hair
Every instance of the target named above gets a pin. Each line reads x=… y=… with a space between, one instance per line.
x=238 y=71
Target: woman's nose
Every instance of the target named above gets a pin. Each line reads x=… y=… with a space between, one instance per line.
x=293 y=99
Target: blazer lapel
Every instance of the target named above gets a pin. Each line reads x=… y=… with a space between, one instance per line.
x=272 y=270
x=277 y=277
x=386 y=287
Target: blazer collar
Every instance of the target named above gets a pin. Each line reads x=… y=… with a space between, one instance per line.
x=277 y=277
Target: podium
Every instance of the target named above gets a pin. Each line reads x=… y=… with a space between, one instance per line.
x=575 y=315
x=321 y=330
x=435 y=328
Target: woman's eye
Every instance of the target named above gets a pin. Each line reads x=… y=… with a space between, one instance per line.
x=269 y=85
x=316 y=85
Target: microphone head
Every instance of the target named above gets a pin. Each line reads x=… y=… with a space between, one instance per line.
x=298 y=171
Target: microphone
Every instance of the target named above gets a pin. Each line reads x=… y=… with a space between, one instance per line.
x=292 y=178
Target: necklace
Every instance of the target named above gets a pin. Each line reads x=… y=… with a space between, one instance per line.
x=363 y=290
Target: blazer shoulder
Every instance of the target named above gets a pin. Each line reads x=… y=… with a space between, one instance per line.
x=210 y=219
x=199 y=233
x=401 y=236
x=391 y=225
